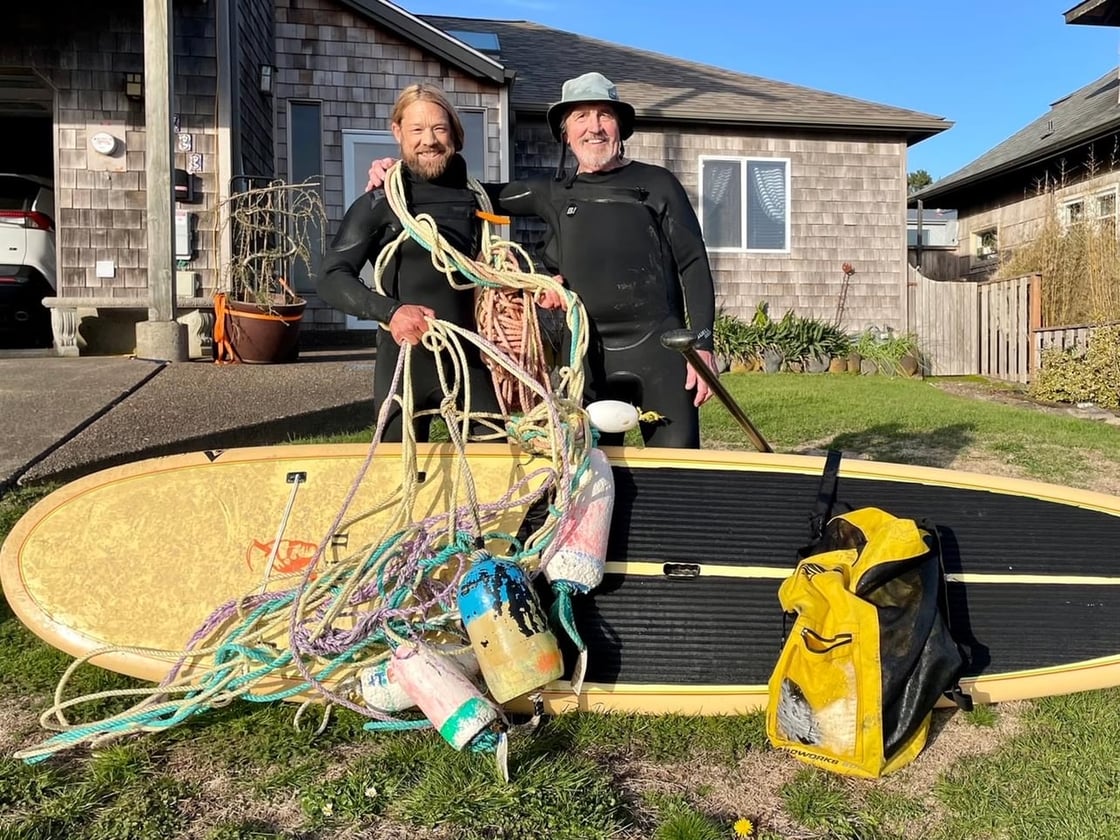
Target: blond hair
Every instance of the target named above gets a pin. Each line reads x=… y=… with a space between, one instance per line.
x=424 y=92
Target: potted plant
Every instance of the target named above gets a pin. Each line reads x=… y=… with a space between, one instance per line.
x=271 y=228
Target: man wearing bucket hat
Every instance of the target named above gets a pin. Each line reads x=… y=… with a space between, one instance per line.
x=623 y=235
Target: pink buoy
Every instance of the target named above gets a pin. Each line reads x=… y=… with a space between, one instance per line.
x=441 y=690
x=580 y=558
x=581 y=553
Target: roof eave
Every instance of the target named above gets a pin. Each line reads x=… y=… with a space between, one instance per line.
x=414 y=30
x=1022 y=162
x=1094 y=13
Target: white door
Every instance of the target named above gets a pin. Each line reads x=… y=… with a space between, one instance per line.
x=359 y=149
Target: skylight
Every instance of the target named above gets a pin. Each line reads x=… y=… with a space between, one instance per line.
x=486 y=42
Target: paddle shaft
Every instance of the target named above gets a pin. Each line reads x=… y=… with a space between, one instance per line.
x=684 y=342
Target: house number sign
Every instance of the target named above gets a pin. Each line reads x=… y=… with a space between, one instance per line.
x=194 y=163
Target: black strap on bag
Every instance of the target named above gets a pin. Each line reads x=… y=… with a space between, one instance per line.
x=957 y=694
x=826 y=494
x=818 y=516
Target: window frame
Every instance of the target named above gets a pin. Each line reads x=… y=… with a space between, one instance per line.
x=1064 y=211
x=306 y=286
x=485 y=113
x=1110 y=192
x=978 y=243
x=744 y=162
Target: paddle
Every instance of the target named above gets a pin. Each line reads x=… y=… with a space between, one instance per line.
x=684 y=342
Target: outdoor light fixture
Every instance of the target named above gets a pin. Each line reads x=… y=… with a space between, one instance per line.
x=268 y=76
x=134 y=85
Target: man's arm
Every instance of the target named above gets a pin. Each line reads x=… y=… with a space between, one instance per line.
x=358 y=240
x=356 y=243
x=686 y=241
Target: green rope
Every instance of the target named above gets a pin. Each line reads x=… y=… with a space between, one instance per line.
x=562 y=615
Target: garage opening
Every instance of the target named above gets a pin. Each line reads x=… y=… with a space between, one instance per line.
x=27 y=208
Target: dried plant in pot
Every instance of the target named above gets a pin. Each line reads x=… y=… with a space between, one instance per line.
x=271 y=229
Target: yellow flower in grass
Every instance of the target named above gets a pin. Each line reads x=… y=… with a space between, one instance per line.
x=743 y=827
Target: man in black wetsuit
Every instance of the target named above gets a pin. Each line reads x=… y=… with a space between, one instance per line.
x=435 y=182
x=624 y=237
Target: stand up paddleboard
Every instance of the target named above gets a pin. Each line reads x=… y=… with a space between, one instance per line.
x=687 y=619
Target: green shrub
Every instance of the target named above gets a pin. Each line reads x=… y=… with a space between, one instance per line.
x=1092 y=376
x=795 y=338
x=886 y=348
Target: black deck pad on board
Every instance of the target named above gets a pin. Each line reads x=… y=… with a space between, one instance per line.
x=650 y=629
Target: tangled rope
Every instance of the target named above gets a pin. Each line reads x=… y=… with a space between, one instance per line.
x=309 y=635
x=507 y=288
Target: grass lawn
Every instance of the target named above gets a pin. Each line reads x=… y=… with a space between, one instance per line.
x=1044 y=769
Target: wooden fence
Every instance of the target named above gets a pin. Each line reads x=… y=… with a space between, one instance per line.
x=993 y=328
x=1010 y=312
x=945 y=317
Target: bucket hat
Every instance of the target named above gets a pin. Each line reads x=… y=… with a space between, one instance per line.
x=591 y=87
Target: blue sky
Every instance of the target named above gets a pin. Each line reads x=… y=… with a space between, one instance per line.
x=990 y=66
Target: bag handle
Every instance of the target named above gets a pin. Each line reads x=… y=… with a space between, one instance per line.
x=957 y=694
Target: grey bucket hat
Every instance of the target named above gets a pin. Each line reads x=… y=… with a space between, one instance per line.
x=591 y=87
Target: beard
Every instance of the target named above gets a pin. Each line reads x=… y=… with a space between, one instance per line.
x=595 y=156
x=428 y=163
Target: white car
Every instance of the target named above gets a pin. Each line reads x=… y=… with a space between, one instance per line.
x=27 y=260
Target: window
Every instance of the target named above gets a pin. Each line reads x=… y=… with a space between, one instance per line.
x=986 y=243
x=1104 y=208
x=1073 y=212
x=474 y=142
x=305 y=161
x=744 y=203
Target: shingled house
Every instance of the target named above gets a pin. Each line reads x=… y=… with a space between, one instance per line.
x=789 y=182
x=1066 y=162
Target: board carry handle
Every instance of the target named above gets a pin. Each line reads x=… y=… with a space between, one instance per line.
x=684 y=342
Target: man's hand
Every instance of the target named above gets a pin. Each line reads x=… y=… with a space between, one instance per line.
x=694 y=380
x=377 y=172
x=549 y=298
x=409 y=323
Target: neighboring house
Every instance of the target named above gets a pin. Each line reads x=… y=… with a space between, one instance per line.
x=1065 y=163
x=789 y=183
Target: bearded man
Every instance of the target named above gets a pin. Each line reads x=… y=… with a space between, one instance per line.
x=434 y=177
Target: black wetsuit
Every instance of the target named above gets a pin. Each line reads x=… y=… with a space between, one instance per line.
x=410 y=278
x=629 y=244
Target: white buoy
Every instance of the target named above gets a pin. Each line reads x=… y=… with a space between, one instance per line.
x=612 y=416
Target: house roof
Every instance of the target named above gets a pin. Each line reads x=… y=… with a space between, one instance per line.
x=1077 y=119
x=1095 y=13
x=667 y=88
x=414 y=30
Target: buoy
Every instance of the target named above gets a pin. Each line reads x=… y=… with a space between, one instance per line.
x=581 y=553
x=612 y=416
x=515 y=648
x=446 y=696
x=577 y=565
x=380 y=691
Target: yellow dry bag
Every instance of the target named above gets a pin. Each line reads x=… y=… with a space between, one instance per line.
x=870 y=650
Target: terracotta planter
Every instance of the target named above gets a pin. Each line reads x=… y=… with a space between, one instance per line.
x=262 y=335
